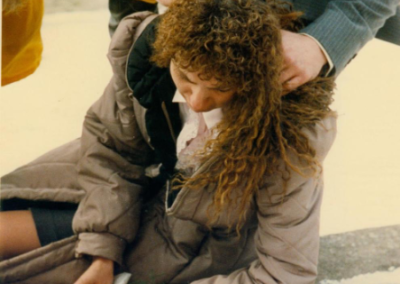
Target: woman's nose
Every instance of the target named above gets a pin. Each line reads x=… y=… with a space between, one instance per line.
x=198 y=100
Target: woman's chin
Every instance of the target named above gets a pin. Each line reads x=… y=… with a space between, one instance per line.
x=201 y=109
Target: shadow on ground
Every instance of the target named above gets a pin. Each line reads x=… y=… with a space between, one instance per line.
x=359 y=252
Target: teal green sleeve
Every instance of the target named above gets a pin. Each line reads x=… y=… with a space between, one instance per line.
x=347 y=25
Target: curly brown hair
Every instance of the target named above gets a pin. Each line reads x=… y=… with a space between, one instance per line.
x=238 y=42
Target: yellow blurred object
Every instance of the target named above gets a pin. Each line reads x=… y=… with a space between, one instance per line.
x=149 y=1
x=21 y=41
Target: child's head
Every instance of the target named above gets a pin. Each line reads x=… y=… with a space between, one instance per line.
x=233 y=43
x=201 y=95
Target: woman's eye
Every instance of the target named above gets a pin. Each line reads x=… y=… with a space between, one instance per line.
x=182 y=76
x=224 y=90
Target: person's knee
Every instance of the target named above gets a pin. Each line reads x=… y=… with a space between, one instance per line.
x=17 y=233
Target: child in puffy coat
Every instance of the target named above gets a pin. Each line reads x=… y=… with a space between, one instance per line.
x=192 y=167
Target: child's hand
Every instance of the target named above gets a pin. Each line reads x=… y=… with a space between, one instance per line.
x=101 y=271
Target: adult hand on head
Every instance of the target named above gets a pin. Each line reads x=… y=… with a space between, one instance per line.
x=101 y=271
x=303 y=60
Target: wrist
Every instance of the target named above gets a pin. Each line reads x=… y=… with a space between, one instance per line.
x=102 y=262
x=317 y=48
x=326 y=61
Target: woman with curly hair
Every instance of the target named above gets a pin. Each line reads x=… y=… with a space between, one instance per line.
x=192 y=163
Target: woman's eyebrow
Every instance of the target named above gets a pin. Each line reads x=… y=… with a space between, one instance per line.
x=220 y=88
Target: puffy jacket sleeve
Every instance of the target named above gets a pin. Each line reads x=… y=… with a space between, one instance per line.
x=113 y=157
x=287 y=238
x=347 y=25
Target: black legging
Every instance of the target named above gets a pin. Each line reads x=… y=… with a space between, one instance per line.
x=53 y=220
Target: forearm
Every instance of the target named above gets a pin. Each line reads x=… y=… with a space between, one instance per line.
x=111 y=171
x=346 y=26
x=100 y=271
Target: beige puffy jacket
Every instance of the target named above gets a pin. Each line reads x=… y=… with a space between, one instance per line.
x=104 y=172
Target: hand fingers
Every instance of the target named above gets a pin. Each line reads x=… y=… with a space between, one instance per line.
x=286 y=75
x=292 y=84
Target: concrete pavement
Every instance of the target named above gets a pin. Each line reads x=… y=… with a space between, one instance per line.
x=364 y=251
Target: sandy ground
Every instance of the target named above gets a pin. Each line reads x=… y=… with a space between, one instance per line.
x=362 y=173
x=362 y=170
x=56 y=6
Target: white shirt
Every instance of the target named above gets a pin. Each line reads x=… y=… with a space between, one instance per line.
x=191 y=121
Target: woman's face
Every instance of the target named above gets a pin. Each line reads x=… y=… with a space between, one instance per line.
x=200 y=95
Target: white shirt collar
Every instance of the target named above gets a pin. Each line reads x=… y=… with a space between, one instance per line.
x=178 y=98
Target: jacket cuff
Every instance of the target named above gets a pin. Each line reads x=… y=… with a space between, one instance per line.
x=101 y=244
x=330 y=66
x=339 y=36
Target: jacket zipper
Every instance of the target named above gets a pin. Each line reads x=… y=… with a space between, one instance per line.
x=164 y=108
